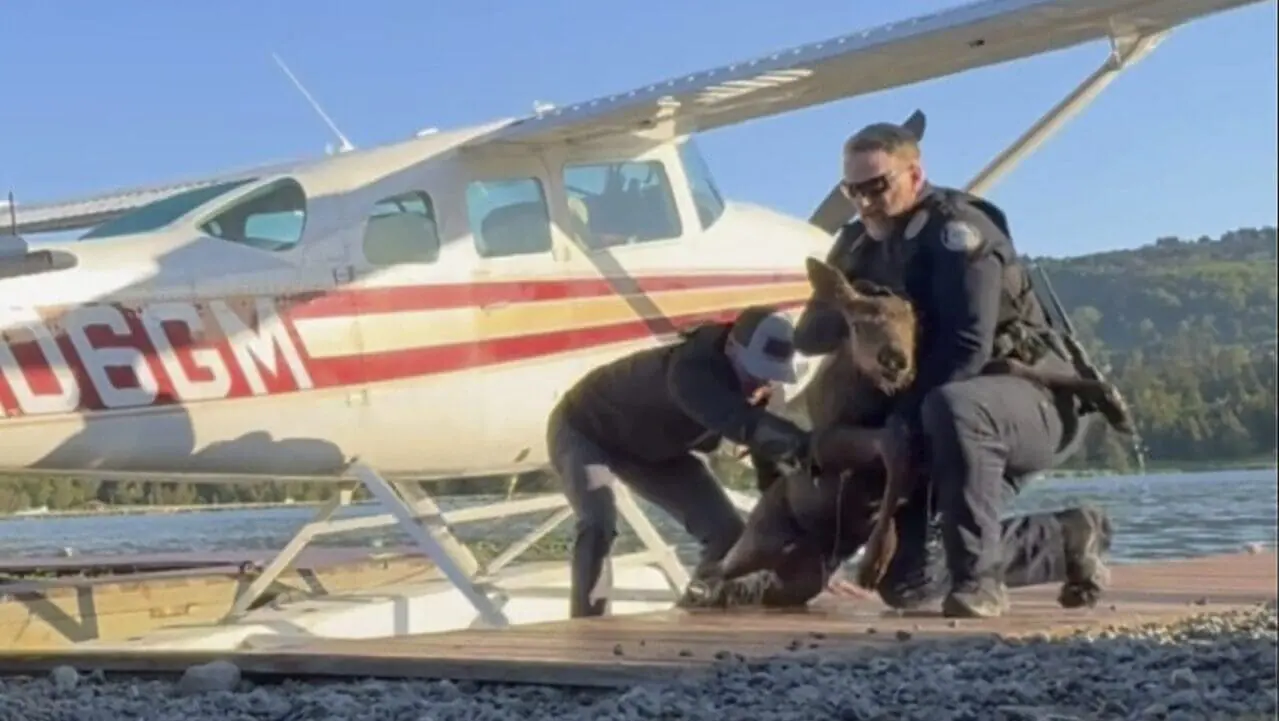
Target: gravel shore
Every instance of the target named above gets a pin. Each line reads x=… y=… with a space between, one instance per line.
x=1216 y=666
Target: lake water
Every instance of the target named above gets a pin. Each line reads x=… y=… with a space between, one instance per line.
x=1158 y=516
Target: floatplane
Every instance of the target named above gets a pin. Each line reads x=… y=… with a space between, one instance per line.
x=380 y=316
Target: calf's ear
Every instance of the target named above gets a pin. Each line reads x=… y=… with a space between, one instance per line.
x=828 y=283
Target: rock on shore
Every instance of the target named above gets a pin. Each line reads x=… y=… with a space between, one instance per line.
x=1219 y=666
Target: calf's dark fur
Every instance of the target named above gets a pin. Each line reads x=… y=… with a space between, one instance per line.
x=837 y=504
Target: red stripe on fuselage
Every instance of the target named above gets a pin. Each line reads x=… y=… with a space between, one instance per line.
x=443 y=296
x=376 y=367
x=433 y=360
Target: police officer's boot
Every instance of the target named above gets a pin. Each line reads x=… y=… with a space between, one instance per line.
x=1086 y=534
x=986 y=599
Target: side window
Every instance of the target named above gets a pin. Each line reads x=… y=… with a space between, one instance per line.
x=271 y=217
x=508 y=217
x=621 y=203
x=402 y=229
x=706 y=196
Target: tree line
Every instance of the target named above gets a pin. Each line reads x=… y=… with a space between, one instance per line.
x=1186 y=328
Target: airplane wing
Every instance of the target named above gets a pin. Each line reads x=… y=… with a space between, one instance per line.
x=930 y=46
x=90 y=211
x=925 y=47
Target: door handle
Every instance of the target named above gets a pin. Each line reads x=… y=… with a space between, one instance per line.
x=344 y=274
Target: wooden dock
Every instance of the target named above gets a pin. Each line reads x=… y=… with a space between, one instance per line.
x=20 y=567
x=623 y=651
x=64 y=601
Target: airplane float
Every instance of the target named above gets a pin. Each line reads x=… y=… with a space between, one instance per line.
x=419 y=307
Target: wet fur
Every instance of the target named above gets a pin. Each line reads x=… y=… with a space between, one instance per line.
x=828 y=508
x=858 y=471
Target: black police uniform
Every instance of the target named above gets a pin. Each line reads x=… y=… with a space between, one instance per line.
x=954 y=260
x=638 y=419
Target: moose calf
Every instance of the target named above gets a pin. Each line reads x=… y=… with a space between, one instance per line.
x=881 y=345
x=792 y=518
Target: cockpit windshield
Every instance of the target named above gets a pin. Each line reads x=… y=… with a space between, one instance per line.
x=160 y=213
x=706 y=195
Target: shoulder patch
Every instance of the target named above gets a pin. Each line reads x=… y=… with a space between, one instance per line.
x=916 y=223
x=961 y=237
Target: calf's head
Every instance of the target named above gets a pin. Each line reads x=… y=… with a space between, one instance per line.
x=881 y=327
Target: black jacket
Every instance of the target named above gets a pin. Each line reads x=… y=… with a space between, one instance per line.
x=661 y=403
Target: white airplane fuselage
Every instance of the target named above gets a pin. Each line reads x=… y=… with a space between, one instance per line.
x=422 y=306
x=178 y=351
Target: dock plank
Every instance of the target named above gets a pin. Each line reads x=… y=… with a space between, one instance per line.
x=625 y=650
x=60 y=612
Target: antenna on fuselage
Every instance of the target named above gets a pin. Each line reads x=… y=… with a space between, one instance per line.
x=344 y=145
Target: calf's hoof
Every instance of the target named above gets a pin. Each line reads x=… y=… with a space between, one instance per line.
x=701 y=593
x=751 y=590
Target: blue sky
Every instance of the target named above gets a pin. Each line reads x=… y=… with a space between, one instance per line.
x=102 y=95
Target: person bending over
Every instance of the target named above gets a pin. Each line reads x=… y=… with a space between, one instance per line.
x=639 y=419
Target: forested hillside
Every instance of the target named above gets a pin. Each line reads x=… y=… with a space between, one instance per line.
x=1221 y=289
x=1186 y=327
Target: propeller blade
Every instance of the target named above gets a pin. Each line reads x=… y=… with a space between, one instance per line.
x=836 y=209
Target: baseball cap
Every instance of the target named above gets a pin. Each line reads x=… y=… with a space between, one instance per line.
x=763 y=342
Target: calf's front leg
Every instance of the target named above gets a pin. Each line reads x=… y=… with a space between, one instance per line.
x=881 y=546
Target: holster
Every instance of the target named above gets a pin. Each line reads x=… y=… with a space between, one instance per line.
x=1029 y=346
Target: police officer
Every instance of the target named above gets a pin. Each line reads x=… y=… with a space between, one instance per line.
x=973 y=437
x=638 y=420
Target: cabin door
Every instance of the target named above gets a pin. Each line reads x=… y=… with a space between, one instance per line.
x=412 y=272
x=519 y=301
x=325 y=322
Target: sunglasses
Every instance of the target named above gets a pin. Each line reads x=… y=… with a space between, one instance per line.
x=871 y=188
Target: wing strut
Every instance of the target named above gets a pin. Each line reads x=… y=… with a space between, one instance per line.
x=835 y=210
x=1123 y=54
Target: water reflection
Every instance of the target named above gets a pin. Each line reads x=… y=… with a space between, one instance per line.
x=1162 y=516
x=1174 y=515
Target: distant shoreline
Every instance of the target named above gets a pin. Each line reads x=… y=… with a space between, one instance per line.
x=1162 y=468
x=1152 y=469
